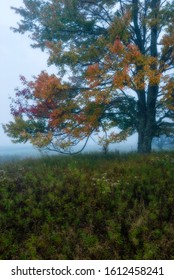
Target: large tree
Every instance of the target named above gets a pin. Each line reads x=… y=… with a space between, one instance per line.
x=119 y=58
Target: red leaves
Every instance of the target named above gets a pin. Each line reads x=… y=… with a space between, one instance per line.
x=38 y=98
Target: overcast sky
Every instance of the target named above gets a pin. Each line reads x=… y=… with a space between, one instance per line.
x=17 y=58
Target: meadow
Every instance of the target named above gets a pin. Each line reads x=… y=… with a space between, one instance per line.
x=88 y=206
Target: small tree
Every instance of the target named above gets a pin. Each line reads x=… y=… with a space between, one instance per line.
x=119 y=56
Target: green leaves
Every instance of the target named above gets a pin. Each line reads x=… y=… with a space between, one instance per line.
x=17 y=130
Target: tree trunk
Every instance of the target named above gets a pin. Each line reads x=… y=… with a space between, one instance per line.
x=146 y=120
x=144 y=142
x=146 y=105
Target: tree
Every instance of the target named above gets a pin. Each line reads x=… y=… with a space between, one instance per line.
x=119 y=57
x=163 y=141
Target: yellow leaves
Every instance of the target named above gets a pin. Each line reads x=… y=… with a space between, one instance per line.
x=121 y=79
x=64 y=144
x=168 y=47
x=113 y=137
x=55 y=50
x=103 y=97
x=153 y=77
x=168 y=90
x=168 y=40
x=146 y=71
x=98 y=96
x=125 y=67
x=120 y=26
x=139 y=81
x=41 y=139
x=133 y=55
x=118 y=137
x=146 y=77
x=24 y=135
x=151 y=71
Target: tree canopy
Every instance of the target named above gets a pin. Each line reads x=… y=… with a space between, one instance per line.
x=115 y=63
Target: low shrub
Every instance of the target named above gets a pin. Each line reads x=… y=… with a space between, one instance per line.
x=88 y=207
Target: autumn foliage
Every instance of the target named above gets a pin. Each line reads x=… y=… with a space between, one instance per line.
x=118 y=58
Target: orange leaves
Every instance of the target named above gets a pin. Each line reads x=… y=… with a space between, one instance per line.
x=150 y=71
x=49 y=107
x=121 y=78
x=93 y=69
x=92 y=73
x=124 y=66
x=168 y=40
x=168 y=90
x=117 y=47
x=120 y=26
x=118 y=80
x=154 y=77
x=56 y=117
x=139 y=81
x=133 y=54
x=133 y=49
x=46 y=85
x=80 y=118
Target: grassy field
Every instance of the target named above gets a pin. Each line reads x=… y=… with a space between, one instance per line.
x=89 y=206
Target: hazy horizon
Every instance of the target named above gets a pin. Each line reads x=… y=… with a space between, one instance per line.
x=23 y=150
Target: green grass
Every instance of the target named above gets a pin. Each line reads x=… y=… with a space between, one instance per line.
x=89 y=206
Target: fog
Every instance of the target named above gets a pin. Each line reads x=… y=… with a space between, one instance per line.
x=8 y=152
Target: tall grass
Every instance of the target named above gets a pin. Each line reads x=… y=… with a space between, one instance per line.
x=91 y=206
